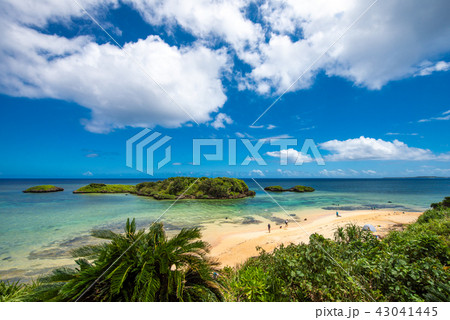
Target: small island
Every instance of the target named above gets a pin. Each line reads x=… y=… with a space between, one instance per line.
x=293 y=189
x=43 y=189
x=179 y=187
x=106 y=188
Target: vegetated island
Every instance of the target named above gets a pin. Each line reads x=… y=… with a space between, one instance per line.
x=106 y=188
x=43 y=189
x=293 y=189
x=179 y=187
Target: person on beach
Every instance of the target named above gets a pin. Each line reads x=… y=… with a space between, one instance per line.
x=268 y=227
x=286 y=223
x=337 y=214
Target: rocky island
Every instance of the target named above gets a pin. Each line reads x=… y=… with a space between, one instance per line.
x=179 y=187
x=293 y=189
x=43 y=189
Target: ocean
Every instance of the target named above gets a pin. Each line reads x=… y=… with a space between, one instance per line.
x=37 y=231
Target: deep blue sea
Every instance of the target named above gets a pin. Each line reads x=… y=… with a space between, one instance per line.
x=38 y=230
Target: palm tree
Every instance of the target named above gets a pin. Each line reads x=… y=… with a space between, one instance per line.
x=137 y=266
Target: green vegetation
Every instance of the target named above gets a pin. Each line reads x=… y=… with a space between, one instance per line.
x=275 y=189
x=178 y=187
x=302 y=189
x=293 y=189
x=43 y=189
x=151 y=268
x=409 y=265
x=106 y=188
x=14 y=291
x=444 y=204
x=204 y=188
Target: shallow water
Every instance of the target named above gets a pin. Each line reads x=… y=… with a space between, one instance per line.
x=37 y=230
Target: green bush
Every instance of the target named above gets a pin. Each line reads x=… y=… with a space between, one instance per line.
x=274 y=188
x=411 y=265
x=136 y=266
x=106 y=188
x=302 y=189
x=43 y=188
x=204 y=188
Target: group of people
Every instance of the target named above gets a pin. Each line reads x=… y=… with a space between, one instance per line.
x=285 y=223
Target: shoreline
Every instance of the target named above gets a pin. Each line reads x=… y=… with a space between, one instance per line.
x=234 y=245
x=232 y=240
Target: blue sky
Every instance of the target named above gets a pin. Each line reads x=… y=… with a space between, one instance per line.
x=376 y=104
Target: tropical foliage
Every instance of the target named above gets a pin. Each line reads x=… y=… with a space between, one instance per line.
x=302 y=189
x=275 y=188
x=203 y=188
x=178 y=187
x=106 y=188
x=293 y=189
x=43 y=188
x=136 y=266
x=409 y=265
x=14 y=291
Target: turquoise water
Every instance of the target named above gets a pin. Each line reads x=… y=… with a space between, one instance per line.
x=38 y=229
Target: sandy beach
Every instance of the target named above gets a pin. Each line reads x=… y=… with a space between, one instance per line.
x=234 y=243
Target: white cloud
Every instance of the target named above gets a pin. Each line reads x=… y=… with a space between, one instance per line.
x=332 y=173
x=428 y=68
x=92 y=155
x=105 y=80
x=280 y=136
x=40 y=13
x=444 y=116
x=207 y=19
x=387 y=43
x=291 y=155
x=394 y=40
x=376 y=149
x=268 y=127
x=88 y=174
x=401 y=134
x=369 y=172
x=257 y=172
x=290 y=173
x=220 y=121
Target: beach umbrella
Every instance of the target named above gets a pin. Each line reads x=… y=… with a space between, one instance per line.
x=369 y=227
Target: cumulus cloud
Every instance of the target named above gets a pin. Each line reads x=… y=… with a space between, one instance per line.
x=387 y=43
x=88 y=174
x=394 y=40
x=376 y=149
x=291 y=155
x=105 y=80
x=207 y=19
x=220 y=121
